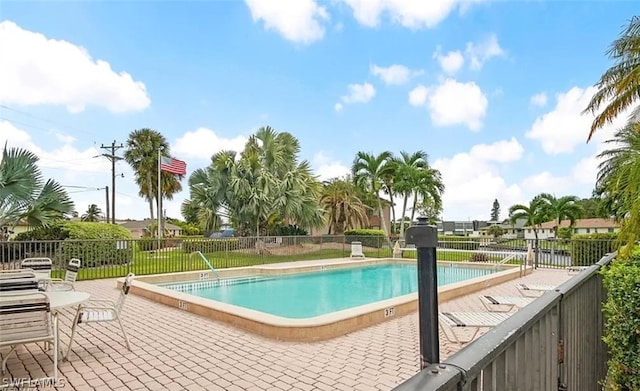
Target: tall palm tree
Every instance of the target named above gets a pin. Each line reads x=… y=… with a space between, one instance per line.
x=619 y=181
x=566 y=207
x=368 y=171
x=24 y=196
x=92 y=214
x=142 y=155
x=409 y=168
x=427 y=185
x=619 y=86
x=389 y=185
x=534 y=215
x=344 y=209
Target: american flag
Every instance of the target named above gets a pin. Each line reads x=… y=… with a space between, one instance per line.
x=173 y=166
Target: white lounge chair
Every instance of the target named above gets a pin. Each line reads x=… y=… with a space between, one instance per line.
x=97 y=310
x=25 y=317
x=533 y=290
x=41 y=266
x=70 y=275
x=16 y=281
x=475 y=320
x=356 y=250
x=504 y=303
x=576 y=269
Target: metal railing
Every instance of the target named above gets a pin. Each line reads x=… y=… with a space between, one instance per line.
x=554 y=343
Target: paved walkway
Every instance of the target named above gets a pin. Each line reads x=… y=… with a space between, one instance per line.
x=175 y=350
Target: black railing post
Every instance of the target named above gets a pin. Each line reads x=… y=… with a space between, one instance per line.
x=425 y=238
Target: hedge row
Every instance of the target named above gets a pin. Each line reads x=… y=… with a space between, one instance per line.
x=214 y=245
x=622 y=324
x=373 y=238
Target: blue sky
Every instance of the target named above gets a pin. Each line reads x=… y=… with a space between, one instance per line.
x=492 y=91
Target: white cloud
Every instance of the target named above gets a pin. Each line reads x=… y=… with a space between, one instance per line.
x=338 y=107
x=502 y=151
x=453 y=103
x=327 y=168
x=545 y=182
x=202 y=143
x=35 y=70
x=418 y=95
x=408 y=13
x=539 y=99
x=300 y=21
x=564 y=127
x=451 y=62
x=358 y=93
x=481 y=52
x=394 y=74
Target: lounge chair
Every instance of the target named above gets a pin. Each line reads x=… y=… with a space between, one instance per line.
x=576 y=269
x=476 y=320
x=504 y=303
x=97 y=310
x=41 y=266
x=18 y=281
x=70 y=275
x=533 y=290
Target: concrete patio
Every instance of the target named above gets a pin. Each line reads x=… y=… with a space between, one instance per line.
x=176 y=350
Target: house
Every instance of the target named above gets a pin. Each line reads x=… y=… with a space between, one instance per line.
x=138 y=228
x=511 y=230
x=582 y=226
x=458 y=228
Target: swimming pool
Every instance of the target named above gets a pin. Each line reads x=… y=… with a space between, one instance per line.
x=305 y=295
x=369 y=291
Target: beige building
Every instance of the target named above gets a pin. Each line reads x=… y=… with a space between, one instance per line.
x=582 y=226
x=138 y=227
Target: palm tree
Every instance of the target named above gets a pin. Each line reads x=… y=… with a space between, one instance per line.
x=92 y=214
x=534 y=215
x=427 y=185
x=567 y=207
x=368 y=172
x=389 y=185
x=619 y=86
x=142 y=155
x=24 y=196
x=619 y=181
x=340 y=202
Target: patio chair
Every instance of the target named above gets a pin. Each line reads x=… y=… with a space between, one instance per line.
x=533 y=290
x=576 y=269
x=25 y=317
x=70 y=275
x=41 y=266
x=356 y=250
x=476 y=320
x=504 y=303
x=98 y=311
x=15 y=281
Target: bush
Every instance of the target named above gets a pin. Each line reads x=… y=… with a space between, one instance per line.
x=622 y=324
x=368 y=237
x=479 y=257
x=588 y=249
x=289 y=230
x=211 y=245
x=97 y=244
x=149 y=243
x=565 y=233
x=458 y=242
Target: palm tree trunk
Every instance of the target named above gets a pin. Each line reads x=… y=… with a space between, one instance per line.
x=383 y=223
x=393 y=210
x=415 y=203
x=404 y=210
x=150 y=193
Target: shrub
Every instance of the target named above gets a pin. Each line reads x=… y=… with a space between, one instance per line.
x=479 y=257
x=97 y=244
x=458 y=242
x=148 y=243
x=622 y=324
x=565 y=233
x=368 y=237
x=289 y=230
x=211 y=245
x=588 y=249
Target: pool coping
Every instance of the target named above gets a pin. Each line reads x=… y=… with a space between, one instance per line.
x=316 y=328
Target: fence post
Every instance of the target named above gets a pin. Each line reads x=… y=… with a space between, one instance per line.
x=425 y=238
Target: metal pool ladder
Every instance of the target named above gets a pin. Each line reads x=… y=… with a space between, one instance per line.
x=208 y=264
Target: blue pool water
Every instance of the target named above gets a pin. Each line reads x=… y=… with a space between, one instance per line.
x=306 y=295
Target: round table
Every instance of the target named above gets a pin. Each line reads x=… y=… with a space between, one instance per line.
x=59 y=300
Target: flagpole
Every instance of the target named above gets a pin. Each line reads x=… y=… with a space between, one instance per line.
x=159 y=191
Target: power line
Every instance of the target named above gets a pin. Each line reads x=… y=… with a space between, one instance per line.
x=38 y=118
x=113 y=158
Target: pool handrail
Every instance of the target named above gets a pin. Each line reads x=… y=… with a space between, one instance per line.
x=208 y=263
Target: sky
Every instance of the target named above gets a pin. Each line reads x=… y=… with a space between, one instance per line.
x=492 y=91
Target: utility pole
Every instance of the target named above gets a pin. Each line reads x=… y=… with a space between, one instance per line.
x=113 y=158
x=106 y=193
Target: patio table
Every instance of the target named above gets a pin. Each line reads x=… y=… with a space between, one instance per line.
x=60 y=300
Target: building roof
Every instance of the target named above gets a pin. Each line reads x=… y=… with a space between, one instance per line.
x=141 y=224
x=519 y=224
x=582 y=223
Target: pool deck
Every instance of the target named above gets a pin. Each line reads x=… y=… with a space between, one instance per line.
x=167 y=355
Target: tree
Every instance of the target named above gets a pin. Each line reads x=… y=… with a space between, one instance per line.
x=24 y=195
x=593 y=207
x=534 y=214
x=427 y=185
x=92 y=214
x=618 y=181
x=368 y=171
x=619 y=86
x=343 y=207
x=495 y=230
x=429 y=209
x=495 y=210
x=142 y=155
x=562 y=208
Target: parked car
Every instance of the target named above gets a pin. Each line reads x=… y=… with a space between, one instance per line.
x=225 y=233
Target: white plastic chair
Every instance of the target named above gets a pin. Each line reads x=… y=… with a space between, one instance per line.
x=504 y=303
x=41 y=266
x=105 y=310
x=70 y=275
x=475 y=320
x=25 y=317
x=18 y=281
